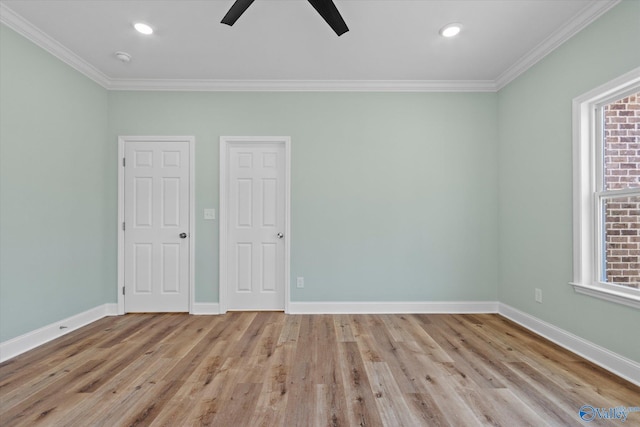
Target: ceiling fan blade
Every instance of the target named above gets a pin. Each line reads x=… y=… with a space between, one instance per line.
x=236 y=11
x=330 y=13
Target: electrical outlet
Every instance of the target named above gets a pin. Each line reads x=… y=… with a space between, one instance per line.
x=539 y=295
x=300 y=282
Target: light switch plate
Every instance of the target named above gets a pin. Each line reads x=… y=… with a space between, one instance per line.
x=209 y=214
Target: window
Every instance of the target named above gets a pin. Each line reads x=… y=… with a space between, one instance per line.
x=606 y=206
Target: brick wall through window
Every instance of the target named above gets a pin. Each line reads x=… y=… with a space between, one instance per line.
x=622 y=170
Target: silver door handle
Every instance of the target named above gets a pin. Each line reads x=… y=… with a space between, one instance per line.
x=280 y=235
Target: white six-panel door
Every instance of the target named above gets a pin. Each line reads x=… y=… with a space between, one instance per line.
x=255 y=225
x=156 y=225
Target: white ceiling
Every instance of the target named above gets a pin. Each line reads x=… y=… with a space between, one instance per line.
x=286 y=40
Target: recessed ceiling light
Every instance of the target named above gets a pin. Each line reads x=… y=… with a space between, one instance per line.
x=143 y=28
x=450 y=30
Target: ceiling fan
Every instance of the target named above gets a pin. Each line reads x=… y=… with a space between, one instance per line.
x=325 y=8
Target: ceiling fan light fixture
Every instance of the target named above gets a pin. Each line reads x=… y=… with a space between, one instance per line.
x=143 y=28
x=451 y=30
x=326 y=8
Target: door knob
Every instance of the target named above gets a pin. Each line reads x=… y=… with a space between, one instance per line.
x=183 y=235
x=280 y=235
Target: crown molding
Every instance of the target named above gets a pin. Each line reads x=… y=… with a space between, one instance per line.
x=26 y=29
x=589 y=14
x=304 y=85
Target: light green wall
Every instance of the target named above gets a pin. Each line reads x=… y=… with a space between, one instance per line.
x=394 y=196
x=57 y=256
x=536 y=181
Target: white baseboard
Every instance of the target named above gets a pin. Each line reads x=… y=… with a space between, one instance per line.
x=204 y=308
x=18 y=345
x=393 y=307
x=619 y=365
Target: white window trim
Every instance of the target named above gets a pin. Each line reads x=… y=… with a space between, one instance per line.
x=586 y=256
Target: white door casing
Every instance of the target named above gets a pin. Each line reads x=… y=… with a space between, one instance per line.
x=254 y=223
x=156 y=224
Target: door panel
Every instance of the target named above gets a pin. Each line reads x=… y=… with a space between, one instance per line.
x=170 y=268
x=142 y=199
x=269 y=271
x=156 y=258
x=256 y=216
x=171 y=202
x=142 y=268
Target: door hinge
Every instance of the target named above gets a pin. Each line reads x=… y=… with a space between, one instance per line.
x=123 y=290
x=123 y=226
x=124 y=162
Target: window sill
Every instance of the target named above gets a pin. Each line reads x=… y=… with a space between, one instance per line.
x=610 y=293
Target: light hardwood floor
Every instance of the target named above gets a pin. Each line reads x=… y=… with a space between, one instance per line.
x=272 y=369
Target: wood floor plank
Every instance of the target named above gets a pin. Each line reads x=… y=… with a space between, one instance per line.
x=567 y=370
x=489 y=408
x=213 y=395
x=343 y=328
x=301 y=402
x=330 y=405
x=398 y=326
x=420 y=367
x=139 y=323
x=450 y=403
x=270 y=369
x=391 y=352
x=394 y=411
x=360 y=401
x=270 y=409
x=64 y=347
x=466 y=363
x=330 y=393
x=45 y=400
x=420 y=325
x=109 y=395
x=364 y=338
x=426 y=410
x=238 y=409
x=39 y=369
x=131 y=399
x=290 y=330
x=249 y=339
x=197 y=402
x=547 y=405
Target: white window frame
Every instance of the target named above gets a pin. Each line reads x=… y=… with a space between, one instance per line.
x=587 y=196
